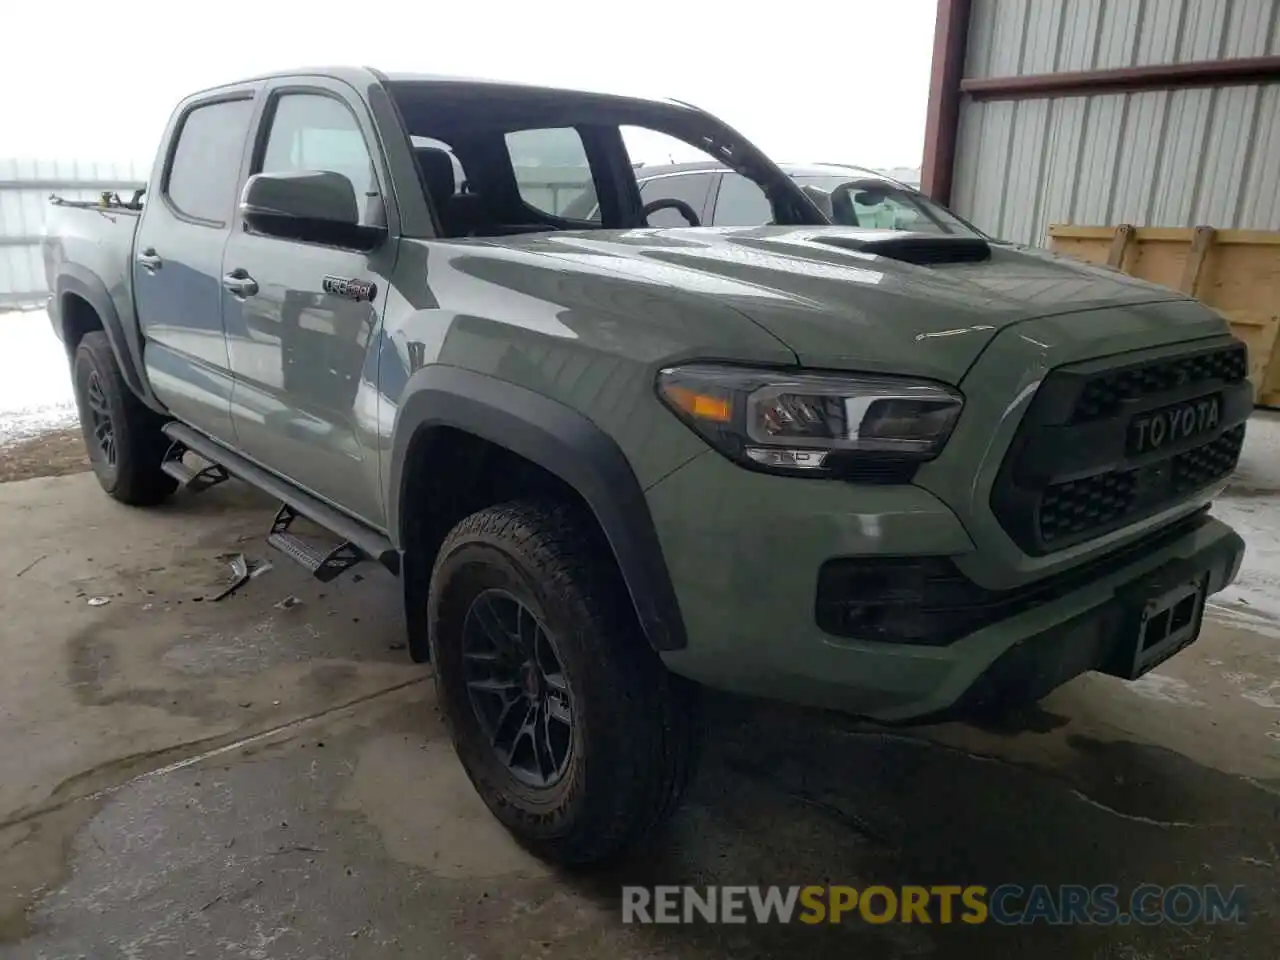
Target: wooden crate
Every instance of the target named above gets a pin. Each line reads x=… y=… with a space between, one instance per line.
x=1237 y=272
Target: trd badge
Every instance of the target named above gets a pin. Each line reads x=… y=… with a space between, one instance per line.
x=357 y=290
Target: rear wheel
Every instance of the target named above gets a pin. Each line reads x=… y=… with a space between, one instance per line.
x=573 y=732
x=122 y=435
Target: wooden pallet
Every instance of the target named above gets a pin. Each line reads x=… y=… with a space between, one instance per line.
x=1237 y=272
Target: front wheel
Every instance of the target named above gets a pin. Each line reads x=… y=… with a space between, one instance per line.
x=121 y=435
x=573 y=732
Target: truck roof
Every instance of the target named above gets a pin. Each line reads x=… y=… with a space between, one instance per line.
x=358 y=76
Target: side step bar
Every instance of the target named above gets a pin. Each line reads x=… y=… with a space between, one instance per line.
x=369 y=543
x=191 y=479
x=323 y=565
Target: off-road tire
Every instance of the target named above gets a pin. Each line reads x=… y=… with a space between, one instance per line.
x=632 y=740
x=135 y=476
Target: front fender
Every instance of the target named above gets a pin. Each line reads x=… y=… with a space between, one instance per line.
x=564 y=443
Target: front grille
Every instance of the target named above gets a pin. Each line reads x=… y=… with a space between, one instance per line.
x=1080 y=505
x=1208 y=464
x=928 y=601
x=1072 y=473
x=1104 y=396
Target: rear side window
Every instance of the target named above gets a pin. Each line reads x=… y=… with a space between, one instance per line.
x=689 y=187
x=552 y=172
x=741 y=203
x=206 y=160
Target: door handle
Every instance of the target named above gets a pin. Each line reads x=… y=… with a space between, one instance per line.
x=240 y=284
x=150 y=260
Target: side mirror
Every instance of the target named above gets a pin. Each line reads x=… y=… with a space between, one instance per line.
x=313 y=206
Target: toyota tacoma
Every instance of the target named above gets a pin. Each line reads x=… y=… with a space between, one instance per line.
x=902 y=473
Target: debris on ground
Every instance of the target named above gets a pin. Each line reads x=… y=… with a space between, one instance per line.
x=99 y=601
x=239 y=576
x=288 y=603
x=242 y=571
x=31 y=564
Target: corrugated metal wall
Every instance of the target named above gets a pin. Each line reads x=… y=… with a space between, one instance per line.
x=1153 y=158
x=25 y=187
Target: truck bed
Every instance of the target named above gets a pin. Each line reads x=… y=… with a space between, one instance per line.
x=94 y=237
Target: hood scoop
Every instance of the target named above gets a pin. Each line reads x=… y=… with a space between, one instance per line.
x=921 y=249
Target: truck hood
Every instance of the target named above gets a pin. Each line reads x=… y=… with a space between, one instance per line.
x=845 y=298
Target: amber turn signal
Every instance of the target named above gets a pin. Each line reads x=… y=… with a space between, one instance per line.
x=704 y=406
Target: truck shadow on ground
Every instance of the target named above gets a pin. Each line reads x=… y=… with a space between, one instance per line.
x=785 y=799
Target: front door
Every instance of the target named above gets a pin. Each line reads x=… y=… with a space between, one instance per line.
x=302 y=318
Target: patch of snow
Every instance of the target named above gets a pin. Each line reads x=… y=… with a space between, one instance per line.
x=1269 y=697
x=1256 y=689
x=1229 y=612
x=35 y=379
x=1239 y=678
x=1251 y=504
x=1156 y=686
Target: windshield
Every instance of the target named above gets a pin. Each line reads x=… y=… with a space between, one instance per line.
x=883 y=205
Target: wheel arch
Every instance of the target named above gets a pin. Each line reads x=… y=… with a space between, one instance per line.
x=554 y=438
x=77 y=285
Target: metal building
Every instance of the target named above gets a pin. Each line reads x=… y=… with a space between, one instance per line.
x=25 y=187
x=1101 y=112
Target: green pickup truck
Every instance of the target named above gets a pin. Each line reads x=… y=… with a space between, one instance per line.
x=905 y=474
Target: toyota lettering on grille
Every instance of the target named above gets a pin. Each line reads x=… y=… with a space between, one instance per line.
x=1169 y=425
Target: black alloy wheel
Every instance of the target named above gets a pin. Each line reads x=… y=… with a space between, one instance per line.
x=565 y=720
x=517 y=688
x=100 y=423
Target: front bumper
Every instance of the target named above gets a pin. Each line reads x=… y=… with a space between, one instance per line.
x=745 y=549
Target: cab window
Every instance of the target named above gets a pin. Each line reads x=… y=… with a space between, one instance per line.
x=201 y=180
x=552 y=172
x=741 y=203
x=648 y=148
x=316 y=132
x=692 y=188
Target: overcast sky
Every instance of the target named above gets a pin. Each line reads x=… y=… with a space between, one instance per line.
x=813 y=81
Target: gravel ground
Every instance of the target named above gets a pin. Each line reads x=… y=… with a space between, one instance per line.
x=52 y=454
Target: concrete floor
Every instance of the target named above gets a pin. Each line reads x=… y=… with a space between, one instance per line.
x=182 y=778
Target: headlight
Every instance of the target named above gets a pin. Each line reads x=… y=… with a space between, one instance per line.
x=811 y=423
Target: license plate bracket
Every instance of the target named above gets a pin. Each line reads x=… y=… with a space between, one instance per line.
x=1161 y=625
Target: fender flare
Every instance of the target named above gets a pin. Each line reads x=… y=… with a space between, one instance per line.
x=564 y=443
x=125 y=344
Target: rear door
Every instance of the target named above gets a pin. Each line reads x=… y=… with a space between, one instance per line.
x=178 y=258
x=305 y=400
